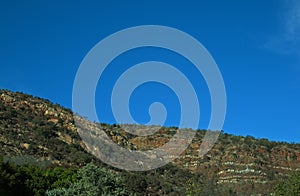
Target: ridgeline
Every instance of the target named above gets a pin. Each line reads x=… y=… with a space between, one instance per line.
x=34 y=131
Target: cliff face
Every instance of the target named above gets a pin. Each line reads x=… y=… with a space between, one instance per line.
x=34 y=129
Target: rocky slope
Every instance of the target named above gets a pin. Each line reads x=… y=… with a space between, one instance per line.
x=35 y=130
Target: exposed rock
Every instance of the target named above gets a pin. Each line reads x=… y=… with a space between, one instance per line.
x=36 y=127
x=25 y=145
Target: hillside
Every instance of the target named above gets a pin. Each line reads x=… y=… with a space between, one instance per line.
x=36 y=131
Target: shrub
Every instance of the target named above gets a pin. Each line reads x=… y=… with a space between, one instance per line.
x=289 y=187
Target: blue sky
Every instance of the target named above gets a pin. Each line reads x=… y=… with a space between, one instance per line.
x=256 y=45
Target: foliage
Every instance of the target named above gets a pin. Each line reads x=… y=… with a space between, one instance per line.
x=289 y=187
x=192 y=188
x=34 y=127
x=32 y=179
x=93 y=180
x=136 y=182
x=201 y=184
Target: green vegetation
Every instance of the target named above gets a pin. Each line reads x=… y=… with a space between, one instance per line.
x=93 y=180
x=88 y=180
x=32 y=179
x=42 y=153
x=290 y=187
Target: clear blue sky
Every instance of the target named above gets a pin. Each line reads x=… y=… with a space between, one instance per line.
x=256 y=45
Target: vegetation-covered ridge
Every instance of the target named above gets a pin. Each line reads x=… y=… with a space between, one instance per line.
x=33 y=131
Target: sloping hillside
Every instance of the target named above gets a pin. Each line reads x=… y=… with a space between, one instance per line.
x=33 y=130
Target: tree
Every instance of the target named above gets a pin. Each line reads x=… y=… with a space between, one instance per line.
x=93 y=180
x=60 y=177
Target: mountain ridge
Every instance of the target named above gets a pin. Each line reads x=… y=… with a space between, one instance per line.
x=37 y=129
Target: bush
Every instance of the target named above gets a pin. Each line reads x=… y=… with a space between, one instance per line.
x=32 y=179
x=93 y=180
x=289 y=187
